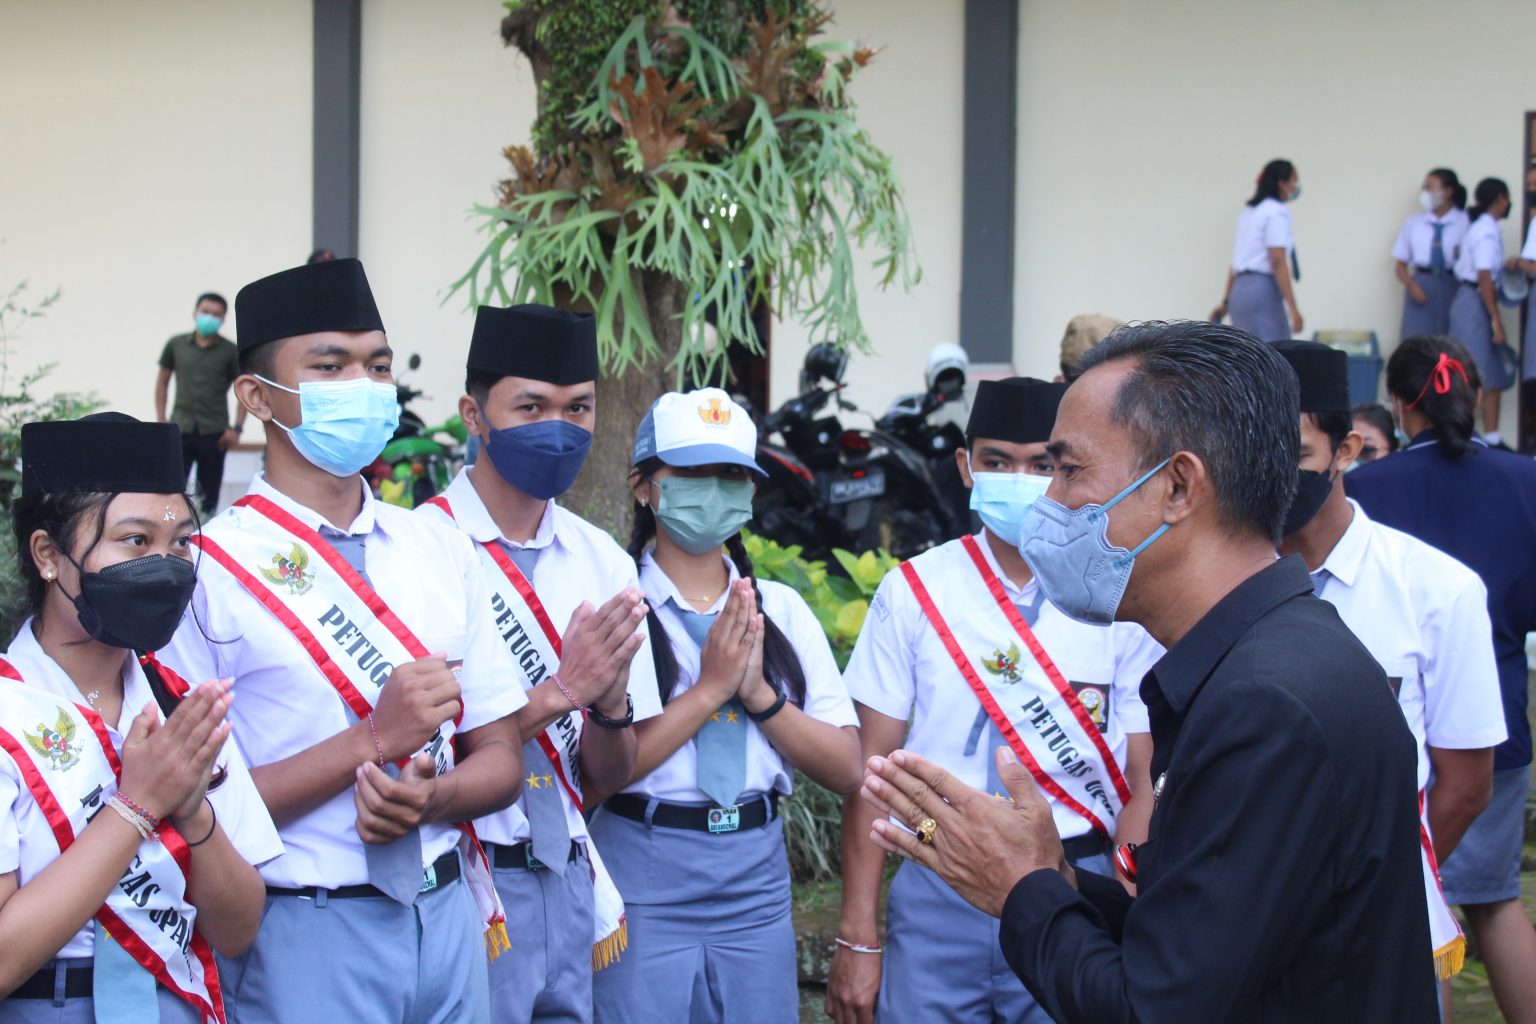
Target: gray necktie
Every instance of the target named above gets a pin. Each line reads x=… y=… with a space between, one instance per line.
x=395 y=867
x=549 y=832
x=524 y=558
x=983 y=725
x=722 y=740
x=1320 y=580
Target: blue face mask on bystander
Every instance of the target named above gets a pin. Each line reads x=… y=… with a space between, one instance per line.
x=1069 y=552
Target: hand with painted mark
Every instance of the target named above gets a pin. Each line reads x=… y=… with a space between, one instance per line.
x=982 y=845
x=413 y=703
x=389 y=808
x=596 y=649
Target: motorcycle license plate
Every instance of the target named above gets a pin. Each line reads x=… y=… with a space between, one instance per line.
x=870 y=485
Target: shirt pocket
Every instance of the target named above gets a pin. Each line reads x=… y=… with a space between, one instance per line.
x=1403 y=679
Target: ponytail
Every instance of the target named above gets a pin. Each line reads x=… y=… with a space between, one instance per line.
x=1435 y=376
x=1274 y=174
x=1489 y=191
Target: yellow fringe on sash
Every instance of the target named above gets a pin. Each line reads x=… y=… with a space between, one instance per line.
x=1450 y=958
x=606 y=951
x=496 y=941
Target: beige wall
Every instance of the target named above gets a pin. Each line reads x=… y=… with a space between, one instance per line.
x=1142 y=126
x=151 y=151
x=441 y=97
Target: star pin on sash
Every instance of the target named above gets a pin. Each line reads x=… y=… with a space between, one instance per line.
x=534 y=642
x=67 y=761
x=354 y=639
x=1055 y=728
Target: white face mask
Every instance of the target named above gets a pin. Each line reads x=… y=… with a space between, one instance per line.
x=1429 y=200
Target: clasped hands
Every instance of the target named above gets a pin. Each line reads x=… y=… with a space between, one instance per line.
x=982 y=845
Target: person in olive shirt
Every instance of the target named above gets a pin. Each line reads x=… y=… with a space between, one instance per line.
x=204 y=365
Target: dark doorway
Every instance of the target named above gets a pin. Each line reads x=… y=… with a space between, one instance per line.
x=1526 y=185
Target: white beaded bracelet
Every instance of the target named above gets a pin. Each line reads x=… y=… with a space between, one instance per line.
x=857 y=948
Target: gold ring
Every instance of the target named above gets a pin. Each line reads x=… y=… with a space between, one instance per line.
x=925 y=830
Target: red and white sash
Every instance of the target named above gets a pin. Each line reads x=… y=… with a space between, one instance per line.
x=1056 y=739
x=67 y=761
x=1445 y=935
x=350 y=634
x=534 y=643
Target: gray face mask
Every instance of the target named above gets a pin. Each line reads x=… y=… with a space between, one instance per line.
x=701 y=513
x=1069 y=552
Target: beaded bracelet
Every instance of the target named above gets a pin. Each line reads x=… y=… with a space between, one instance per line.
x=578 y=705
x=857 y=948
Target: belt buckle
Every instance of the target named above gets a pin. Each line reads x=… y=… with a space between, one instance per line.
x=534 y=864
x=428 y=879
x=725 y=819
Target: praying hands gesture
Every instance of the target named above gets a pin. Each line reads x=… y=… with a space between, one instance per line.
x=980 y=845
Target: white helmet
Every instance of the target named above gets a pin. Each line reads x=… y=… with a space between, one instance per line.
x=947 y=364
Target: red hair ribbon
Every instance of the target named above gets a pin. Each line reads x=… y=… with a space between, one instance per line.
x=1440 y=377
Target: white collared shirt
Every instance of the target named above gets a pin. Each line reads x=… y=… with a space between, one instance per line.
x=1416 y=239
x=430 y=577
x=901 y=669
x=1424 y=618
x=676 y=780
x=1259 y=229
x=577 y=562
x=1528 y=252
x=27 y=845
x=1481 y=249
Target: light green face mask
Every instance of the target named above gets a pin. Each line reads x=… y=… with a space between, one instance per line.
x=700 y=512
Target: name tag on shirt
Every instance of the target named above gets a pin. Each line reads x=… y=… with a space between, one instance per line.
x=724 y=819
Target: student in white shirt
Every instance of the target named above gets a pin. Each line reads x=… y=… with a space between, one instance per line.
x=1475 y=320
x=1426 y=250
x=1422 y=615
x=1260 y=292
x=376 y=693
x=531 y=392
x=940 y=960
x=1525 y=263
x=89 y=722
x=750 y=692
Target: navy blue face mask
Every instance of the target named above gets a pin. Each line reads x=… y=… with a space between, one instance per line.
x=540 y=459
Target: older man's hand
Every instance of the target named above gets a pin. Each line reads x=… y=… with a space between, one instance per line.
x=982 y=845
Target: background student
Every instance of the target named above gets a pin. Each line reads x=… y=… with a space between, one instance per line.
x=1474 y=316
x=1260 y=294
x=1426 y=250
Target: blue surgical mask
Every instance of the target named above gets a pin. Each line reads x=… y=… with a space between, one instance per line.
x=343 y=424
x=1069 y=552
x=540 y=459
x=208 y=325
x=1296 y=194
x=1002 y=500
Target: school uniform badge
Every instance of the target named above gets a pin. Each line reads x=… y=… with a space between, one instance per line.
x=1094 y=697
x=1004 y=665
x=290 y=571
x=56 y=746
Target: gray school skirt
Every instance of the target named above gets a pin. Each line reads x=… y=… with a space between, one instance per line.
x=1255 y=306
x=1433 y=315
x=1470 y=326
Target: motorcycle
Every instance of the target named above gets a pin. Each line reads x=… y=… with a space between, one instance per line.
x=420 y=460
x=911 y=419
x=831 y=487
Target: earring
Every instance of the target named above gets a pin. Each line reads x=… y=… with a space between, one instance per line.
x=48 y=576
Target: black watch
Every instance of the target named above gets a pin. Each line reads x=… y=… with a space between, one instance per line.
x=601 y=720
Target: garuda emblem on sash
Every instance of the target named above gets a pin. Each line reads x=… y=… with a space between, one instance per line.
x=55 y=745
x=1004 y=665
x=290 y=571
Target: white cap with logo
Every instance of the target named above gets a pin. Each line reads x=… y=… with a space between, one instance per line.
x=697 y=428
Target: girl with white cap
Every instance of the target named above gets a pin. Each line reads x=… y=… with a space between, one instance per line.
x=750 y=691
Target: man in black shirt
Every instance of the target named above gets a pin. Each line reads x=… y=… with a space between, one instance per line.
x=1281 y=879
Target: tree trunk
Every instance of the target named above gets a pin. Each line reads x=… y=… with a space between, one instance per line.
x=601 y=493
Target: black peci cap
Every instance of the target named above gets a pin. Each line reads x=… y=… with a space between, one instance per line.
x=1323 y=372
x=107 y=452
x=1017 y=409
x=329 y=296
x=538 y=342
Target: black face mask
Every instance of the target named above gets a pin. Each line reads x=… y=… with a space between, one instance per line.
x=1530 y=198
x=135 y=604
x=1312 y=490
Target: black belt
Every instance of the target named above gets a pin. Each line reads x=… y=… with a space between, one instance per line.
x=520 y=855
x=443 y=871
x=1261 y=273
x=1432 y=273
x=78 y=984
x=1080 y=847
x=740 y=818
